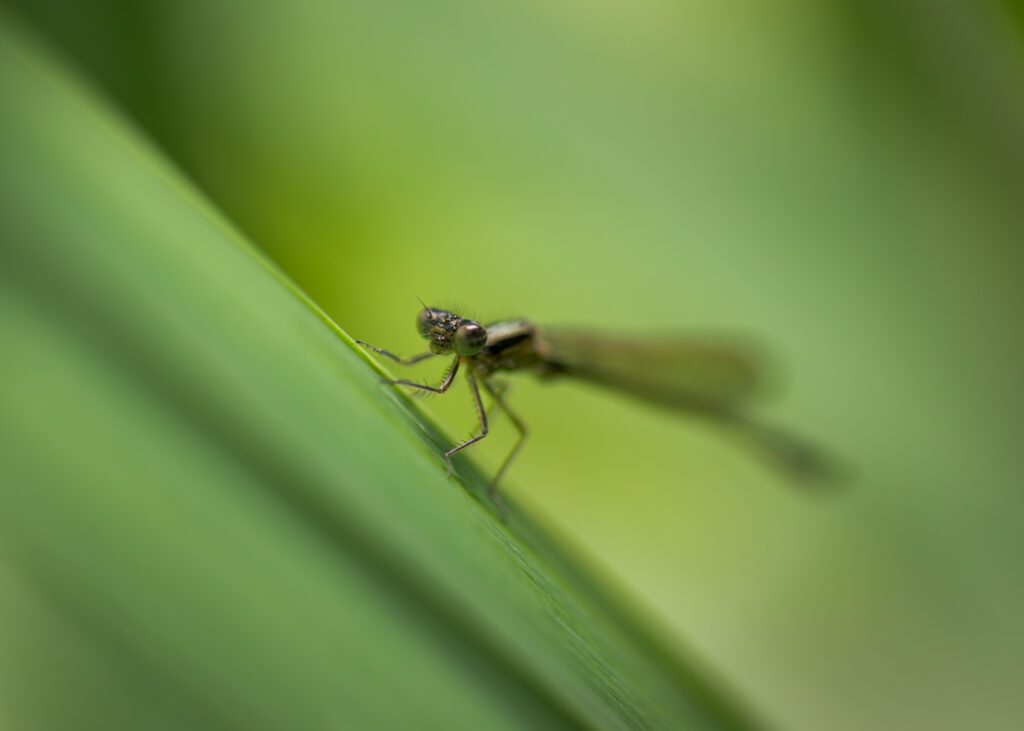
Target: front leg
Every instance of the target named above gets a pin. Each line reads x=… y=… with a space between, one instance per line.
x=445 y=385
x=411 y=360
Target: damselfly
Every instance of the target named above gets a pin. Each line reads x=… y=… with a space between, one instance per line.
x=703 y=378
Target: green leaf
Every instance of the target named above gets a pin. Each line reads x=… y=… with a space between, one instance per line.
x=213 y=514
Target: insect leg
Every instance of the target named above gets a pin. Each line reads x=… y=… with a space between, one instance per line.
x=445 y=385
x=501 y=387
x=411 y=360
x=483 y=423
x=499 y=400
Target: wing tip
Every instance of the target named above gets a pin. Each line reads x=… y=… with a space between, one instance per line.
x=806 y=465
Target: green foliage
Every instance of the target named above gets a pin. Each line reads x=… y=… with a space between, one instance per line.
x=213 y=515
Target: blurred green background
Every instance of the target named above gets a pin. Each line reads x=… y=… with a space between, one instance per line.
x=842 y=181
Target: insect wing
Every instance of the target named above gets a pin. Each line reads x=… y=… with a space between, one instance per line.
x=672 y=371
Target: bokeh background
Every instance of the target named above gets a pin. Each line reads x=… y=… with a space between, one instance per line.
x=843 y=182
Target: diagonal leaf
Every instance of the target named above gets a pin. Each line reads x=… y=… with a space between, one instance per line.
x=211 y=512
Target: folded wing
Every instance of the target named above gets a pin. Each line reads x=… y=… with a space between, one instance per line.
x=674 y=372
x=715 y=379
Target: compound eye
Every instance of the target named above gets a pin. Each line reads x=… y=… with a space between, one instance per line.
x=425 y=322
x=470 y=339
